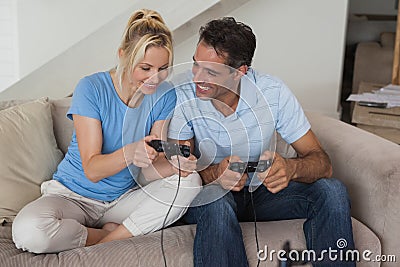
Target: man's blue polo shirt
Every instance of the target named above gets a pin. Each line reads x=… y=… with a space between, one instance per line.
x=265 y=105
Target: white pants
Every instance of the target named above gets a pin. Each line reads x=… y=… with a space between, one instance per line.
x=57 y=221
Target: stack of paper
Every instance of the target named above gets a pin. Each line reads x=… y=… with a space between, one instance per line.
x=389 y=94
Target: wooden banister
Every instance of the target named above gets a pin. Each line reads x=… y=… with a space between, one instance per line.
x=396 y=55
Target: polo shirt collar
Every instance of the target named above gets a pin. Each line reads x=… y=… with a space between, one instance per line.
x=248 y=91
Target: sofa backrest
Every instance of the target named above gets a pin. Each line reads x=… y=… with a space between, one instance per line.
x=373 y=61
x=62 y=126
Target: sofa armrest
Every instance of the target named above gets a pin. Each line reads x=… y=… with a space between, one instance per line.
x=370 y=167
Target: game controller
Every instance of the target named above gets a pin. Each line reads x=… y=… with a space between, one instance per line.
x=252 y=166
x=170 y=149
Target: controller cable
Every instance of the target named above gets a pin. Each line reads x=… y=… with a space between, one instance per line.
x=255 y=227
x=169 y=210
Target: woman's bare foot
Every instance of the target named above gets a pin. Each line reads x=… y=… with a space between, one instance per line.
x=119 y=233
x=95 y=235
x=110 y=226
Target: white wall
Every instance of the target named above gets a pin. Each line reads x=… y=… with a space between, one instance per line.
x=95 y=52
x=301 y=42
x=47 y=28
x=9 y=71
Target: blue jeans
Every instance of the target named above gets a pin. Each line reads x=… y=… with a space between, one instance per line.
x=324 y=204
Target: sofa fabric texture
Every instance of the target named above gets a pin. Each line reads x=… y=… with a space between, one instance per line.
x=178 y=246
x=372 y=179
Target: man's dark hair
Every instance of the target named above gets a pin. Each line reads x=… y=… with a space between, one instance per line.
x=231 y=39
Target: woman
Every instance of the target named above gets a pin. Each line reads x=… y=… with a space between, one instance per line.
x=94 y=197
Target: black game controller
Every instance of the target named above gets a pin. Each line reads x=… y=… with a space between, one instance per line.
x=252 y=166
x=170 y=149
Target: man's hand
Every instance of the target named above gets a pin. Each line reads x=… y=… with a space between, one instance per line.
x=276 y=177
x=229 y=179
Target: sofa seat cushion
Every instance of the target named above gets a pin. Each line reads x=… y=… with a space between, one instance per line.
x=178 y=247
x=29 y=154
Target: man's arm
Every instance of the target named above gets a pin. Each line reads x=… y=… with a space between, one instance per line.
x=311 y=164
x=210 y=174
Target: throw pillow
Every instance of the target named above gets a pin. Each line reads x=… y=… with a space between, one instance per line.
x=63 y=127
x=4 y=104
x=29 y=155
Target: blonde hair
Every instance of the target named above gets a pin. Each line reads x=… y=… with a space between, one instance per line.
x=146 y=28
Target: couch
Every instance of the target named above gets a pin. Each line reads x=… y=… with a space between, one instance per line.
x=367 y=164
x=373 y=61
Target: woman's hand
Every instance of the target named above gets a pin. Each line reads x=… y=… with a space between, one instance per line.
x=140 y=153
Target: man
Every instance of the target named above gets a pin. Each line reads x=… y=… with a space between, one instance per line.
x=229 y=113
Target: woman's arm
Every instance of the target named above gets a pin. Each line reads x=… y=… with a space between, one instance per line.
x=162 y=167
x=97 y=165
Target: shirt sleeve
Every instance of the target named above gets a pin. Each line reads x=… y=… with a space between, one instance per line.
x=292 y=123
x=85 y=101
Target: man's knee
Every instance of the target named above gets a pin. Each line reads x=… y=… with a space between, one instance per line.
x=334 y=194
x=212 y=193
x=224 y=206
x=219 y=209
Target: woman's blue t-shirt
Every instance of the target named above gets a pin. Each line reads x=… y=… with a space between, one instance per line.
x=95 y=97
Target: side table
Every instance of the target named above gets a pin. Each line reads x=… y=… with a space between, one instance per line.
x=384 y=122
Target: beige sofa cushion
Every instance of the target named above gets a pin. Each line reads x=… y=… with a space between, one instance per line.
x=373 y=61
x=10 y=103
x=28 y=155
x=62 y=126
